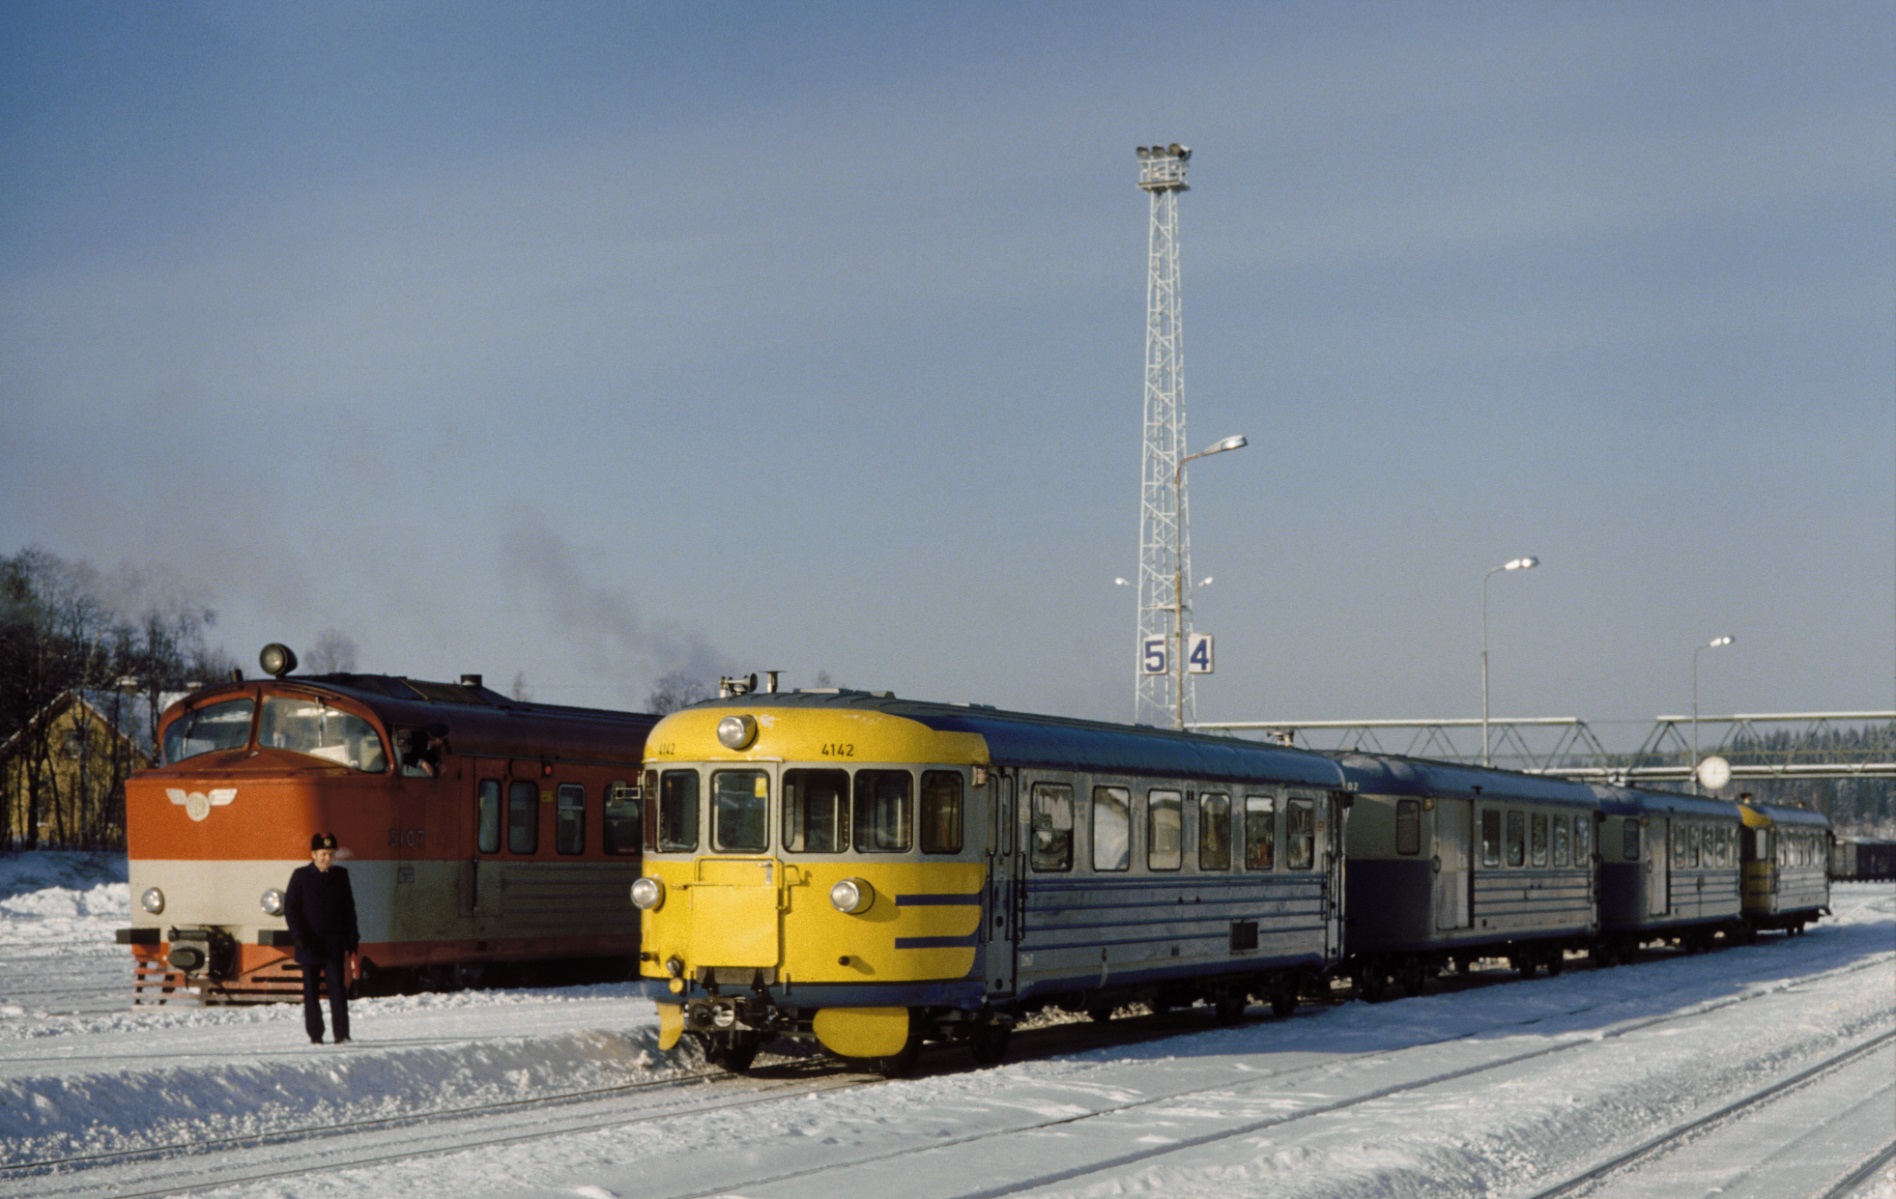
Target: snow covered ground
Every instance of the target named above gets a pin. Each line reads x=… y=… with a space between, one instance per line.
x=1496 y=1090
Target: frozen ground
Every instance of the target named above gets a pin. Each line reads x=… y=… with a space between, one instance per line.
x=1505 y=1090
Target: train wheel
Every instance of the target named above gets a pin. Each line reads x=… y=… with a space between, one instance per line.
x=987 y=1042
x=1413 y=979
x=1228 y=1005
x=1524 y=964
x=1556 y=962
x=1373 y=986
x=901 y=1062
x=733 y=1051
x=1099 y=1015
x=1284 y=1003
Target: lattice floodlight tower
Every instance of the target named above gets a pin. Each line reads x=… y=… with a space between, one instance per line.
x=1165 y=697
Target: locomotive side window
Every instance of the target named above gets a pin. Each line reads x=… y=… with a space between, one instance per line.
x=740 y=806
x=1260 y=832
x=1408 y=826
x=523 y=817
x=622 y=818
x=307 y=726
x=1490 y=837
x=941 y=811
x=1165 y=830
x=1562 y=853
x=1214 y=832
x=1538 y=838
x=1517 y=838
x=204 y=730
x=884 y=822
x=569 y=831
x=1112 y=828
x=488 y=808
x=677 y=817
x=816 y=811
x=1300 y=834
x=1583 y=840
x=1053 y=827
x=1630 y=851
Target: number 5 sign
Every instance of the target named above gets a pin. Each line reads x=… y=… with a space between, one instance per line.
x=1153 y=658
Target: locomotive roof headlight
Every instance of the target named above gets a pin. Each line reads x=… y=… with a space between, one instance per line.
x=272 y=902
x=852 y=896
x=737 y=732
x=648 y=895
x=153 y=900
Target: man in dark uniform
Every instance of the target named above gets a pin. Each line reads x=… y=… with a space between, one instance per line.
x=322 y=914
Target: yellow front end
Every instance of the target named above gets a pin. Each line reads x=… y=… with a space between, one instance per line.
x=775 y=938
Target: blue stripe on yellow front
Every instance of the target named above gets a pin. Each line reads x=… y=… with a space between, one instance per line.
x=967 y=942
x=964 y=900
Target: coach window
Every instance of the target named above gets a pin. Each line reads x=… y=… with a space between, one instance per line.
x=1214 y=831
x=1517 y=838
x=1165 y=830
x=1583 y=839
x=1630 y=850
x=815 y=811
x=883 y=806
x=676 y=813
x=1538 y=838
x=1696 y=835
x=569 y=831
x=488 y=809
x=1112 y=828
x=740 y=805
x=1490 y=837
x=1408 y=826
x=941 y=811
x=523 y=816
x=1053 y=827
x=1260 y=832
x=203 y=730
x=1562 y=854
x=1300 y=834
x=621 y=824
x=1678 y=845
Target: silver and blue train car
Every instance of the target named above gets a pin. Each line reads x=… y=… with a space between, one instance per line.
x=1786 y=855
x=1450 y=864
x=873 y=872
x=1669 y=871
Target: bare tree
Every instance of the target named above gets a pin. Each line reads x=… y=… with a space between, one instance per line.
x=333 y=653
x=519 y=688
x=676 y=690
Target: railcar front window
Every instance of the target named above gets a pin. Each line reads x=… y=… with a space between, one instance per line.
x=488 y=805
x=1517 y=838
x=941 y=811
x=816 y=811
x=1300 y=834
x=1165 y=830
x=1538 y=844
x=1053 y=827
x=208 y=729
x=1408 y=826
x=884 y=807
x=740 y=811
x=1112 y=829
x=1260 y=832
x=622 y=822
x=677 y=812
x=1490 y=838
x=523 y=817
x=569 y=832
x=1214 y=832
x=308 y=726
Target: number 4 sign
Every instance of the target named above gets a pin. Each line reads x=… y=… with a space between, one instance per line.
x=1198 y=654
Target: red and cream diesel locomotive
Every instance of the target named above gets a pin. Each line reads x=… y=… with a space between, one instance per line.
x=482 y=834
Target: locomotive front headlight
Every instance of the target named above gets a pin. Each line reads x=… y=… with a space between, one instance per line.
x=852 y=896
x=724 y=1016
x=648 y=895
x=153 y=900
x=736 y=732
x=272 y=902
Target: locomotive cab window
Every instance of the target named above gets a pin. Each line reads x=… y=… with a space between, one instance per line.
x=308 y=726
x=1165 y=830
x=487 y=812
x=523 y=817
x=1260 y=832
x=884 y=823
x=1490 y=837
x=1300 y=834
x=1408 y=826
x=675 y=815
x=621 y=825
x=569 y=830
x=941 y=811
x=740 y=805
x=1052 y=827
x=208 y=729
x=1517 y=838
x=1112 y=829
x=1214 y=832
x=815 y=811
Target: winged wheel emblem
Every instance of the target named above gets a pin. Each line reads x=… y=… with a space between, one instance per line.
x=198 y=804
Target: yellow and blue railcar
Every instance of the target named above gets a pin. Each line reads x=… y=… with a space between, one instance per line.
x=874 y=872
x=1786 y=866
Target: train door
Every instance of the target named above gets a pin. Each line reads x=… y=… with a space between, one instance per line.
x=1330 y=844
x=481 y=825
x=1454 y=831
x=1001 y=932
x=1658 y=868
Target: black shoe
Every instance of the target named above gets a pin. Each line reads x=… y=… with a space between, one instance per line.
x=315 y=1040
x=342 y=1040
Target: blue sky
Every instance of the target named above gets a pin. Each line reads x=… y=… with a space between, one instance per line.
x=595 y=341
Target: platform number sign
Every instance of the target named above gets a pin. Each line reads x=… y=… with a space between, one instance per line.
x=1198 y=653
x=1153 y=656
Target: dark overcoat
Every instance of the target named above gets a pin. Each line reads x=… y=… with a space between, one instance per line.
x=321 y=912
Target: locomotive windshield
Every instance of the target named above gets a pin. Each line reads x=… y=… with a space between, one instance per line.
x=219 y=726
x=308 y=726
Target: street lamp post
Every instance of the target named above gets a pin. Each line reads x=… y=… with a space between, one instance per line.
x=1527 y=563
x=1236 y=442
x=1714 y=643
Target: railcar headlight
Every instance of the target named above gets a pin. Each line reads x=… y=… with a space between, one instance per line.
x=852 y=896
x=272 y=902
x=153 y=900
x=648 y=895
x=736 y=732
x=724 y=1016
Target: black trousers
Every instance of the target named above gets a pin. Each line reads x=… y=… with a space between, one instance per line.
x=316 y=972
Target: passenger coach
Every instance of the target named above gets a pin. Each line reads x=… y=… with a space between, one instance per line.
x=1669 y=870
x=874 y=872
